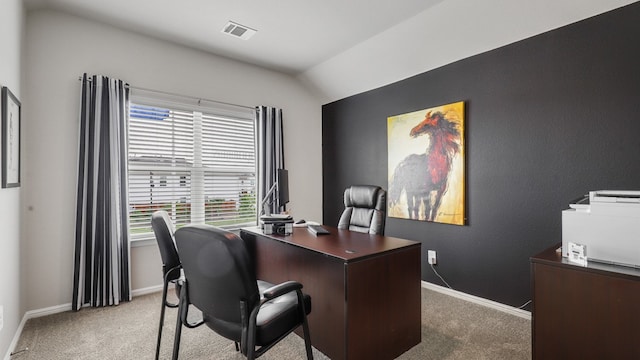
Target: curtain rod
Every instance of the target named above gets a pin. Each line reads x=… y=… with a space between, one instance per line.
x=179 y=95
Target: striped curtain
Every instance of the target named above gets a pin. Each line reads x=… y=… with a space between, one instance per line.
x=101 y=270
x=270 y=150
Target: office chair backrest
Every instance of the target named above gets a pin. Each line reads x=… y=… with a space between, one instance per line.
x=163 y=229
x=219 y=276
x=365 y=207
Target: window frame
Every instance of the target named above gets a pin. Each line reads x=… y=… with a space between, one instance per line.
x=209 y=111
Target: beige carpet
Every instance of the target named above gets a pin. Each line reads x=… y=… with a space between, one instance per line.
x=451 y=329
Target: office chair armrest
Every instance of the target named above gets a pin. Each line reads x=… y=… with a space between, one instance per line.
x=281 y=289
x=183 y=308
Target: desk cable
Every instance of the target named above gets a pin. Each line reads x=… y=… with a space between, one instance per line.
x=434 y=270
x=449 y=286
x=18 y=352
x=523 y=305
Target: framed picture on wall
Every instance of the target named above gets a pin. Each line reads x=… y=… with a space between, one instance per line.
x=10 y=139
x=426 y=164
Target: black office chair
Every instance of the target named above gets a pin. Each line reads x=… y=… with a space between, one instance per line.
x=220 y=281
x=365 y=209
x=163 y=229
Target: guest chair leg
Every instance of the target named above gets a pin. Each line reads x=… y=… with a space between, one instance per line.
x=182 y=304
x=176 y=341
x=164 y=301
x=305 y=326
x=307 y=339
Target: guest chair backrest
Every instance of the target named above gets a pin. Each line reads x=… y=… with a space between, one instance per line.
x=163 y=229
x=365 y=208
x=218 y=271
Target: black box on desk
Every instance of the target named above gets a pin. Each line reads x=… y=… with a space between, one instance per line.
x=277 y=226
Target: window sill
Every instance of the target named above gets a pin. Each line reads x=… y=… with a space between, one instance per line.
x=148 y=239
x=142 y=242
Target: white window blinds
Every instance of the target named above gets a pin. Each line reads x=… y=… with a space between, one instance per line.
x=197 y=163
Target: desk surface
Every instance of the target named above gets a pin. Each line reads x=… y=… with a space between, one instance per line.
x=553 y=257
x=342 y=244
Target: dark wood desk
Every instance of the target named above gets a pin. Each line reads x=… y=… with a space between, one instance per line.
x=365 y=289
x=580 y=312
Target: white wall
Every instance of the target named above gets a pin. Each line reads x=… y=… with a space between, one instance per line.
x=58 y=49
x=11 y=33
x=445 y=33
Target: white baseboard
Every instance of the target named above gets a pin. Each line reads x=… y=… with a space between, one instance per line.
x=145 y=291
x=16 y=337
x=32 y=314
x=478 y=300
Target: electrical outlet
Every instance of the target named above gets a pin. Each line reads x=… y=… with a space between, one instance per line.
x=1 y=316
x=431 y=257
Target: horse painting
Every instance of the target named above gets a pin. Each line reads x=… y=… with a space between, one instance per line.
x=424 y=177
x=411 y=175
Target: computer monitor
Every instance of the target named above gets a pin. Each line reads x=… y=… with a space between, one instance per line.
x=282 y=179
x=281 y=187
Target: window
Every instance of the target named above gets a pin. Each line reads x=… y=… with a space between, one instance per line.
x=197 y=163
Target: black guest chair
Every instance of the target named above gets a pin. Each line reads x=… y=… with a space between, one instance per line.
x=163 y=229
x=364 y=209
x=220 y=281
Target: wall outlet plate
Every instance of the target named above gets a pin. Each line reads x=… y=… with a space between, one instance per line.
x=1 y=316
x=431 y=257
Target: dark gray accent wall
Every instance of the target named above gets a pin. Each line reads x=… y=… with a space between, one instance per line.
x=548 y=119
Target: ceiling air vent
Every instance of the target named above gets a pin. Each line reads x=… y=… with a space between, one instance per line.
x=239 y=31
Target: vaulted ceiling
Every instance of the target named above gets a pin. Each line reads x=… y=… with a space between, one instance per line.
x=294 y=36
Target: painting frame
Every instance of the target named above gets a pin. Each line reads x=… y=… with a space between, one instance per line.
x=427 y=164
x=11 y=117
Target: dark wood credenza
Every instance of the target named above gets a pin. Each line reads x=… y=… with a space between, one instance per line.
x=590 y=312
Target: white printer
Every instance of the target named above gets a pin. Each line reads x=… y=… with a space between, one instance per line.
x=607 y=223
